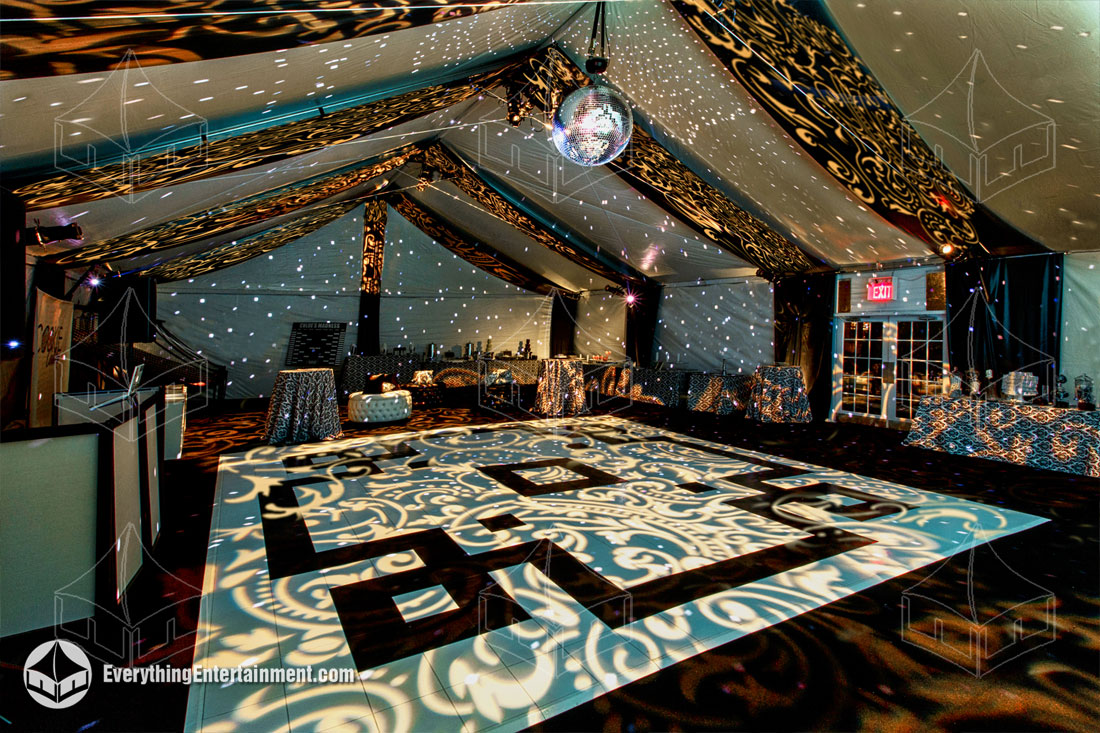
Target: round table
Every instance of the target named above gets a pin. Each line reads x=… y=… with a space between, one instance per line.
x=779 y=395
x=303 y=407
x=561 y=387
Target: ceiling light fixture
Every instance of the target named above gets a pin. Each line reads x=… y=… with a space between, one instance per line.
x=44 y=235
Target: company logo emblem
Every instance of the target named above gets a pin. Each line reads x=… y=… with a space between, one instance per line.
x=57 y=674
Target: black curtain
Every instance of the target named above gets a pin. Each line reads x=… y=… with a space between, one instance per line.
x=804 y=332
x=13 y=274
x=1005 y=314
x=370 y=314
x=641 y=324
x=563 y=319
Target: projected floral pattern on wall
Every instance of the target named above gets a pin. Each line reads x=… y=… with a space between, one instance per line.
x=494 y=576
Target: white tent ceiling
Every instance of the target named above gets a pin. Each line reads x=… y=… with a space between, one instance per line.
x=234 y=93
x=446 y=200
x=716 y=128
x=681 y=94
x=593 y=202
x=1039 y=61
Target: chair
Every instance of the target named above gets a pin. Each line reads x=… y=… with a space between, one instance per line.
x=385 y=407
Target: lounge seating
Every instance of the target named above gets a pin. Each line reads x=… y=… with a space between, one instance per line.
x=385 y=407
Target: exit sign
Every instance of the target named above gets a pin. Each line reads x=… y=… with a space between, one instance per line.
x=880 y=289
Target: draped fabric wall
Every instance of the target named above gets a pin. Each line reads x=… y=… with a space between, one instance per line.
x=1014 y=306
x=641 y=324
x=601 y=324
x=430 y=295
x=804 y=332
x=241 y=316
x=717 y=325
x=563 y=322
x=1081 y=316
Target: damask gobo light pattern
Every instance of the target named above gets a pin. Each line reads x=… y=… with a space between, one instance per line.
x=94 y=37
x=476 y=253
x=670 y=184
x=1029 y=435
x=838 y=112
x=232 y=253
x=495 y=576
x=242 y=213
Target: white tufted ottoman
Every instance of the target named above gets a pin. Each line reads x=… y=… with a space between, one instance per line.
x=385 y=407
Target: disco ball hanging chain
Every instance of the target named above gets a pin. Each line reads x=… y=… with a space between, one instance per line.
x=592 y=126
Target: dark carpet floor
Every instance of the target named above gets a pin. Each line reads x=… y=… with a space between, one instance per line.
x=844 y=666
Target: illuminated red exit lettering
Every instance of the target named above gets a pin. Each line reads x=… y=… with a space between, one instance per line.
x=880 y=289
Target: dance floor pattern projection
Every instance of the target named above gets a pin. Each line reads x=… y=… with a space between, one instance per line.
x=491 y=577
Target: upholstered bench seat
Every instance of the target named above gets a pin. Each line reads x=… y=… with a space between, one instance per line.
x=385 y=407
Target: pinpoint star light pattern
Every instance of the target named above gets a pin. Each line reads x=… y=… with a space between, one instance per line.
x=592 y=126
x=491 y=577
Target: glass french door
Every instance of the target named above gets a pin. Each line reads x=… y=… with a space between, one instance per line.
x=888 y=364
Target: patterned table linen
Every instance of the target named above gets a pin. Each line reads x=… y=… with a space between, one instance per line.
x=560 y=388
x=303 y=407
x=779 y=395
x=1029 y=435
x=721 y=394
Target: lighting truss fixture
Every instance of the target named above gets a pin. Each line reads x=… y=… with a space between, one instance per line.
x=45 y=235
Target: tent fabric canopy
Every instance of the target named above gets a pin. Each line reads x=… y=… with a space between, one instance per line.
x=255 y=137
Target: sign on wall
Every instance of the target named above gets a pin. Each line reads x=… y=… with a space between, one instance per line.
x=53 y=333
x=315 y=344
x=880 y=289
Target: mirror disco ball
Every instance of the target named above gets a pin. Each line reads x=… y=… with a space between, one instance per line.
x=592 y=125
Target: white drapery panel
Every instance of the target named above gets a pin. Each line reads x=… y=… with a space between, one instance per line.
x=601 y=324
x=725 y=324
x=1081 y=316
x=241 y=316
x=430 y=295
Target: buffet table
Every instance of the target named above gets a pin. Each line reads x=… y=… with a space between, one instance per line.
x=560 y=387
x=779 y=395
x=1029 y=435
x=721 y=394
x=303 y=407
